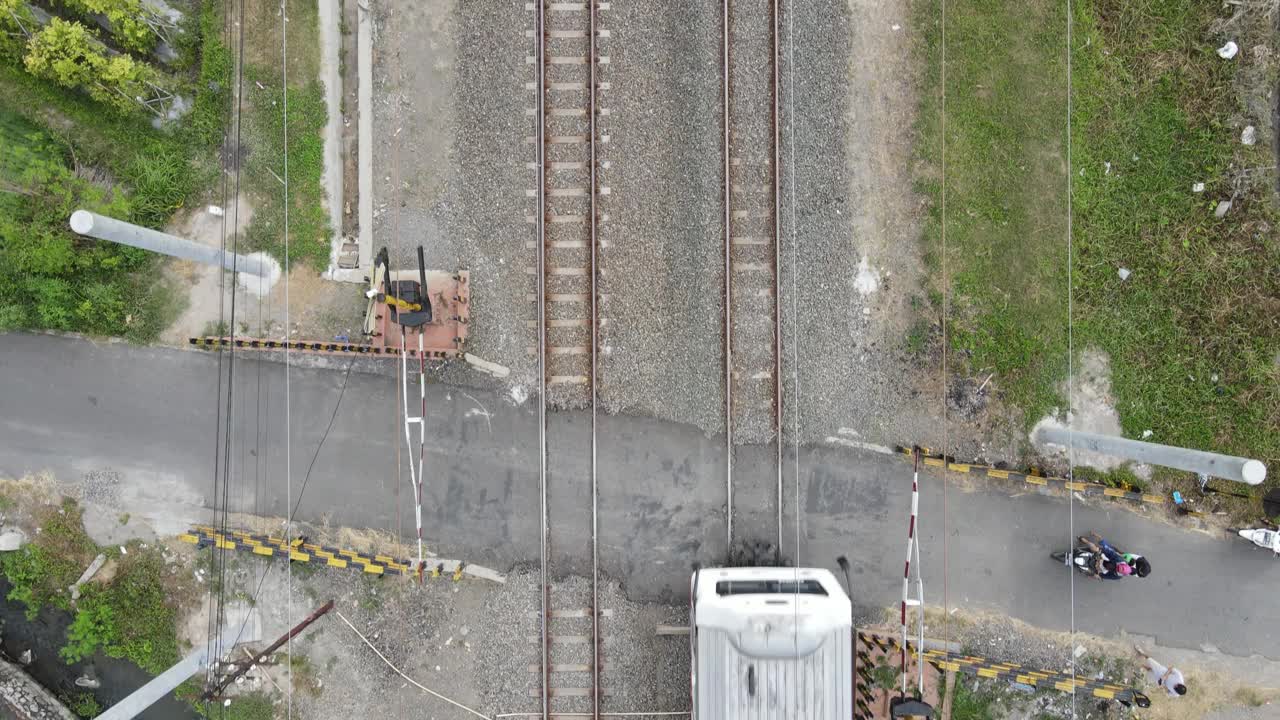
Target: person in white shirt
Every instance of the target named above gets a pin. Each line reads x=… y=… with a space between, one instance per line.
x=1169 y=678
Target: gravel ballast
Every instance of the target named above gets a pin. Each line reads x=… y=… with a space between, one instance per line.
x=663 y=265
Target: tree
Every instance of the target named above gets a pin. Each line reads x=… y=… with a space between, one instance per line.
x=127 y=18
x=63 y=52
x=66 y=53
x=16 y=26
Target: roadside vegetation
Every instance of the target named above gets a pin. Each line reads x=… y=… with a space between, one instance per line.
x=73 y=136
x=263 y=133
x=1191 y=326
x=131 y=615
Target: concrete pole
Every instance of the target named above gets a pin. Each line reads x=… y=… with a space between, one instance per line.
x=257 y=271
x=234 y=631
x=1227 y=467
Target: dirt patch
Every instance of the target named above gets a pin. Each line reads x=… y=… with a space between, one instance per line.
x=204 y=284
x=318 y=309
x=1092 y=409
x=1216 y=682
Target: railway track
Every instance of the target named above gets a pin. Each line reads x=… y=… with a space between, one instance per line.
x=567 y=270
x=566 y=193
x=752 y=246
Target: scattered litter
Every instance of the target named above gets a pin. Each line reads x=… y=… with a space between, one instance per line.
x=866 y=311
x=1078 y=651
x=896 y=26
x=867 y=280
x=1197 y=188
x=464 y=629
x=216 y=211
x=437 y=668
x=448 y=642
x=1228 y=51
x=1124 y=273
x=1135 y=157
x=1213 y=377
x=1249 y=136
x=1106 y=168
x=1223 y=207
x=1147 y=434
x=124 y=550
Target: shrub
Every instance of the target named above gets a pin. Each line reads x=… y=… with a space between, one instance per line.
x=67 y=54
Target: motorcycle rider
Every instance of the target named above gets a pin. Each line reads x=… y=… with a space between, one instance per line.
x=1109 y=563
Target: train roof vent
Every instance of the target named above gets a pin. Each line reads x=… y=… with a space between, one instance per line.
x=769 y=587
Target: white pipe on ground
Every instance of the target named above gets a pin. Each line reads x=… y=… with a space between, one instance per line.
x=1227 y=467
x=265 y=269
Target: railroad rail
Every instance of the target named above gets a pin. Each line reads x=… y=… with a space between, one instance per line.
x=752 y=244
x=566 y=60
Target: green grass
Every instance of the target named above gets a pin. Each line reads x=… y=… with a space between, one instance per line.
x=252 y=706
x=264 y=135
x=43 y=568
x=1204 y=294
x=1151 y=98
x=83 y=704
x=130 y=616
x=264 y=169
x=970 y=704
x=1006 y=212
x=84 y=154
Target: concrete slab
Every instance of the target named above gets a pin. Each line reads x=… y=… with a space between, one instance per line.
x=330 y=63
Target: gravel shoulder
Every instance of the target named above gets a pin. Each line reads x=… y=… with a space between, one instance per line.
x=473 y=642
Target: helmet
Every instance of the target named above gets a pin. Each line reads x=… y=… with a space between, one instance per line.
x=1124 y=569
x=1141 y=567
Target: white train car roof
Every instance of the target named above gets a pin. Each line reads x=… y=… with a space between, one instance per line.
x=772 y=643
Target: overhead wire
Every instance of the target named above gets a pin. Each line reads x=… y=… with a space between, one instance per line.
x=219 y=610
x=212 y=624
x=288 y=410
x=1071 y=385
x=795 y=336
x=946 y=309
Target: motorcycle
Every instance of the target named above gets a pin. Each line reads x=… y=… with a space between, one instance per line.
x=1262 y=537
x=1082 y=559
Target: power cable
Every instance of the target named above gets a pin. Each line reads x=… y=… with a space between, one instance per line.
x=226 y=419
x=212 y=624
x=1071 y=385
x=288 y=411
x=293 y=514
x=946 y=309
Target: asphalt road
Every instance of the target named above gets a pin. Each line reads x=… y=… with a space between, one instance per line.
x=73 y=407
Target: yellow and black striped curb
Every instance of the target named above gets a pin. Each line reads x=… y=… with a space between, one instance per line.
x=301 y=551
x=1014 y=673
x=311 y=346
x=1032 y=477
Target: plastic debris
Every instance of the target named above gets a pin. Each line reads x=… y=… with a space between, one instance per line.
x=1106 y=168
x=896 y=26
x=1228 y=51
x=1249 y=136
x=1197 y=187
x=1223 y=207
x=1147 y=434
x=1124 y=273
